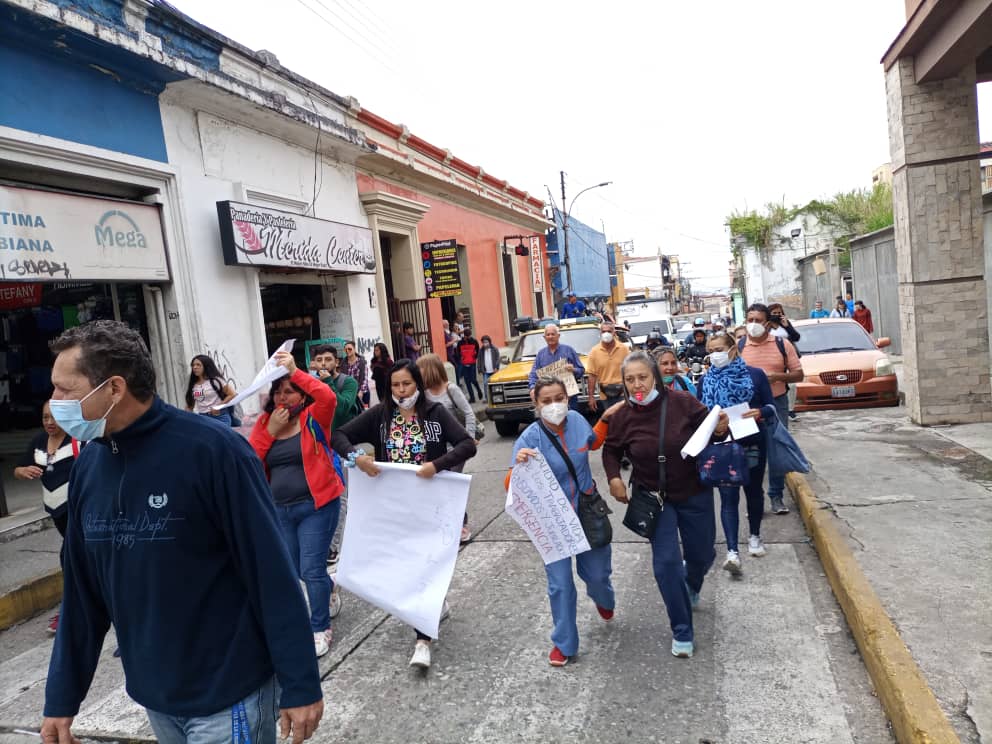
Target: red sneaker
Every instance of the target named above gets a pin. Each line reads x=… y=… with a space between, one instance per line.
x=556 y=658
x=604 y=613
x=53 y=625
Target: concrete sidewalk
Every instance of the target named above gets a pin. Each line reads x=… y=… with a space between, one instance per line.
x=915 y=505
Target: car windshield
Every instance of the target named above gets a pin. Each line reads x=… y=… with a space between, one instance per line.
x=580 y=339
x=823 y=338
x=644 y=327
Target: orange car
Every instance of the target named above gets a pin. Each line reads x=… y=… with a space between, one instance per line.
x=843 y=366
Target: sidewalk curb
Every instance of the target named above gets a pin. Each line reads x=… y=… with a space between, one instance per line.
x=909 y=703
x=37 y=595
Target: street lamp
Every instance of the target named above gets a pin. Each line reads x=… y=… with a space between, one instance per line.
x=564 y=222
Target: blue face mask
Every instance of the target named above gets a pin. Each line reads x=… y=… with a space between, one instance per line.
x=647 y=400
x=69 y=415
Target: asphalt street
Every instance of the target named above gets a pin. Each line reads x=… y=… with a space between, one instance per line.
x=774 y=659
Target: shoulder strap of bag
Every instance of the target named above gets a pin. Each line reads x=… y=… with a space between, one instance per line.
x=682 y=383
x=218 y=388
x=662 y=474
x=75 y=447
x=564 y=455
x=780 y=343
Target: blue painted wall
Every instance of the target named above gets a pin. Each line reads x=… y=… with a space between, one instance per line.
x=60 y=99
x=588 y=255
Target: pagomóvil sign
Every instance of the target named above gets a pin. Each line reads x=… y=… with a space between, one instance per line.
x=258 y=236
x=47 y=236
x=441 y=275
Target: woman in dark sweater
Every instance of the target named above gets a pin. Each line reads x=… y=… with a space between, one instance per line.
x=407 y=428
x=688 y=507
x=730 y=382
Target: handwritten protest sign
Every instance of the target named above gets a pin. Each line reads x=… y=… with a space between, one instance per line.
x=558 y=369
x=536 y=502
x=401 y=540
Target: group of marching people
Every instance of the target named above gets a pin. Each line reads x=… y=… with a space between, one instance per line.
x=649 y=428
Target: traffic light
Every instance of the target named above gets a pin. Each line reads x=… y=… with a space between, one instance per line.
x=522 y=250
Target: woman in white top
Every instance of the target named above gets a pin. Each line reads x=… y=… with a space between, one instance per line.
x=207 y=389
x=439 y=390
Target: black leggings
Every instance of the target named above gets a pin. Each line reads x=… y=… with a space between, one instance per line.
x=61 y=520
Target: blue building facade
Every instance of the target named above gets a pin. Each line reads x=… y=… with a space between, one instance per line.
x=588 y=255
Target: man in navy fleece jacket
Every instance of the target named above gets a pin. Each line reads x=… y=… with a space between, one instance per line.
x=172 y=537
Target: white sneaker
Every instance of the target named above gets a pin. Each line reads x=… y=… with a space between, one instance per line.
x=421 y=655
x=755 y=547
x=733 y=563
x=335 y=607
x=445 y=611
x=321 y=642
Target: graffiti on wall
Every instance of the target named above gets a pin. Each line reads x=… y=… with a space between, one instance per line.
x=224 y=365
x=365 y=344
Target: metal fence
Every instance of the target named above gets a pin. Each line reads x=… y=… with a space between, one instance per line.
x=876 y=283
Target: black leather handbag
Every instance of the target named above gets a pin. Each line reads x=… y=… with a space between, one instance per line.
x=594 y=514
x=645 y=506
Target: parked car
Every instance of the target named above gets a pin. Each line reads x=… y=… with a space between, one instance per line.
x=843 y=367
x=508 y=402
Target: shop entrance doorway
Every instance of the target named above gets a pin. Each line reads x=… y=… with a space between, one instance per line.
x=292 y=311
x=32 y=316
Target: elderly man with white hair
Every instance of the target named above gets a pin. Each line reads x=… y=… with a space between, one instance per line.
x=553 y=352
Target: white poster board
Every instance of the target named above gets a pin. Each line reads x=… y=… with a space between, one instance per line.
x=536 y=502
x=558 y=369
x=401 y=540
x=270 y=372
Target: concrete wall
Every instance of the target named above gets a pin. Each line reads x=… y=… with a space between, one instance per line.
x=876 y=281
x=774 y=274
x=218 y=159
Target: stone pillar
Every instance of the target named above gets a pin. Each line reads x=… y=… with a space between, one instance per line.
x=939 y=245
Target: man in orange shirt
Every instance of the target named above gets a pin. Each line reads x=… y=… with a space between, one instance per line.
x=779 y=360
x=603 y=367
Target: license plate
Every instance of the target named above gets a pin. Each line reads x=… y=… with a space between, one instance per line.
x=842 y=391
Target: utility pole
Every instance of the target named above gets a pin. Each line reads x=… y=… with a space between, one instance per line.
x=564 y=229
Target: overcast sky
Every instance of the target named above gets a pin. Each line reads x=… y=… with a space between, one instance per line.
x=691 y=109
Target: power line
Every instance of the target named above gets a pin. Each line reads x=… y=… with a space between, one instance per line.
x=358 y=46
x=655 y=220
x=372 y=42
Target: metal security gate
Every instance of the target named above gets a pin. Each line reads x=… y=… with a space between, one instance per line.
x=411 y=311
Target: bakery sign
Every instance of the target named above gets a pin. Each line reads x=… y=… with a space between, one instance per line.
x=259 y=236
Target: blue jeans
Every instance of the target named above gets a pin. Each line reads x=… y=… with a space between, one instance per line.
x=694 y=520
x=776 y=483
x=485 y=382
x=261 y=709
x=221 y=417
x=470 y=377
x=594 y=567
x=730 y=499
x=307 y=533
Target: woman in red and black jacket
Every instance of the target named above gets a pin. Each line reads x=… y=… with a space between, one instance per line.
x=292 y=439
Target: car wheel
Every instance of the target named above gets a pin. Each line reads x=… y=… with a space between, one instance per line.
x=507 y=428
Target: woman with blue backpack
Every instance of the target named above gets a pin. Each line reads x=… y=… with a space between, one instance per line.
x=291 y=438
x=730 y=382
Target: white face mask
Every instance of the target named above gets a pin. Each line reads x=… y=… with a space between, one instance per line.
x=755 y=330
x=720 y=358
x=606 y=338
x=554 y=413
x=407 y=403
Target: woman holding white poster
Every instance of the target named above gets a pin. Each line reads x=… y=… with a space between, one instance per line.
x=406 y=428
x=557 y=434
x=668 y=501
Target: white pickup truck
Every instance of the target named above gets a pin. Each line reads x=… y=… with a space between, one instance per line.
x=643 y=316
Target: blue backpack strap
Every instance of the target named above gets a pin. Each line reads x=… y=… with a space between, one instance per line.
x=780 y=343
x=318 y=436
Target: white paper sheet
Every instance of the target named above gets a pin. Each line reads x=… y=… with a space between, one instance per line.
x=741 y=427
x=400 y=540
x=536 y=502
x=263 y=379
x=701 y=437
